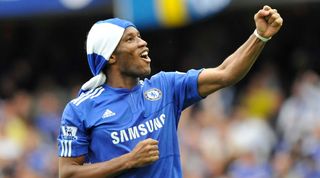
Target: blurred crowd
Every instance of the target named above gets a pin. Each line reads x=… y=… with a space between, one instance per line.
x=267 y=126
x=264 y=135
x=29 y=124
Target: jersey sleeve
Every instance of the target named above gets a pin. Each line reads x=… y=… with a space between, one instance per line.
x=72 y=138
x=184 y=87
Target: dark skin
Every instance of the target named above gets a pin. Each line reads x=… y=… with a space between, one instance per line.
x=126 y=65
x=130 y=61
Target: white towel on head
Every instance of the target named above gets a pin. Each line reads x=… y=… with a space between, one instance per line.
x=94 y=82
x=102 y=40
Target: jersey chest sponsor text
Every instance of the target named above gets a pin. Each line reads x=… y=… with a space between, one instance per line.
x=137 y=131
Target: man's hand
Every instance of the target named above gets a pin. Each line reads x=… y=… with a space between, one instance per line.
x=145 y=152
x=268 y=22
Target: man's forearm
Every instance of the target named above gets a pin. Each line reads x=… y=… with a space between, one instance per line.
x=232 y=69
x=144 y=153
x=239 y=63
x=105 y=169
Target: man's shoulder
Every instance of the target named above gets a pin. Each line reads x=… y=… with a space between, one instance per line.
x=161 y=75
x=154 y=79
x=166 y=75
x=87 y=97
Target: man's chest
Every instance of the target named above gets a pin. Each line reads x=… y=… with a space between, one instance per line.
x=121 y=124
x=125 y=110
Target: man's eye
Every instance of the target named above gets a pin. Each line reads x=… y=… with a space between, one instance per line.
x=129 y=39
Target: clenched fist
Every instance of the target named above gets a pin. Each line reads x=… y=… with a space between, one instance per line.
x=145 y=152
x=268 y=22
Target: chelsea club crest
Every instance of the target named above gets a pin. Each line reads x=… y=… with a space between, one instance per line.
x=153 y=94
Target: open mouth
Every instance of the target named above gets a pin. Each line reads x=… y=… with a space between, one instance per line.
x=144 y=56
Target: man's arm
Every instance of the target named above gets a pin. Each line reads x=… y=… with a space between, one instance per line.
x=146 y=152
x=236 y=66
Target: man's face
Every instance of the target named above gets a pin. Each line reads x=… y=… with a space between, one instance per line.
x=132 y=54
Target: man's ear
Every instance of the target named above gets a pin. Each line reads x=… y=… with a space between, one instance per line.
x=112 y=59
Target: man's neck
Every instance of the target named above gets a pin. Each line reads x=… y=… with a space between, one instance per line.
x=122 y=82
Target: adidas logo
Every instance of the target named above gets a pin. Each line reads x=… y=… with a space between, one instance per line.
x=108 y=113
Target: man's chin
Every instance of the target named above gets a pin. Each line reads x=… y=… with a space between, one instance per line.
x=146 y=73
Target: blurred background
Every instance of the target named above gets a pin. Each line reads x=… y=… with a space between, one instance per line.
x=266 y=126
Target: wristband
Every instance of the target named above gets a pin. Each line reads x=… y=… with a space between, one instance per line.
x=261 y=37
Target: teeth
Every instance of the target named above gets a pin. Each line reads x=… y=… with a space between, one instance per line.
x=144 y=54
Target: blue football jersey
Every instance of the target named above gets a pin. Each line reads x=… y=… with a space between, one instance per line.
x=107 y=122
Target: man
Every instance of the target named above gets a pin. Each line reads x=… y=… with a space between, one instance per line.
x=121 y=126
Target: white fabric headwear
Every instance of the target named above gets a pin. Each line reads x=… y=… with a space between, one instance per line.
x=102 y=40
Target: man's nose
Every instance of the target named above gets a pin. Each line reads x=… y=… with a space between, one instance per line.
x=142 y=42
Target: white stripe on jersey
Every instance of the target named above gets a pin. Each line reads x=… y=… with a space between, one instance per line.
x=69 y=144
x=95 y=92
x=88 y=96
x=74 y=101
x=62 y=148
x=65 y=148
